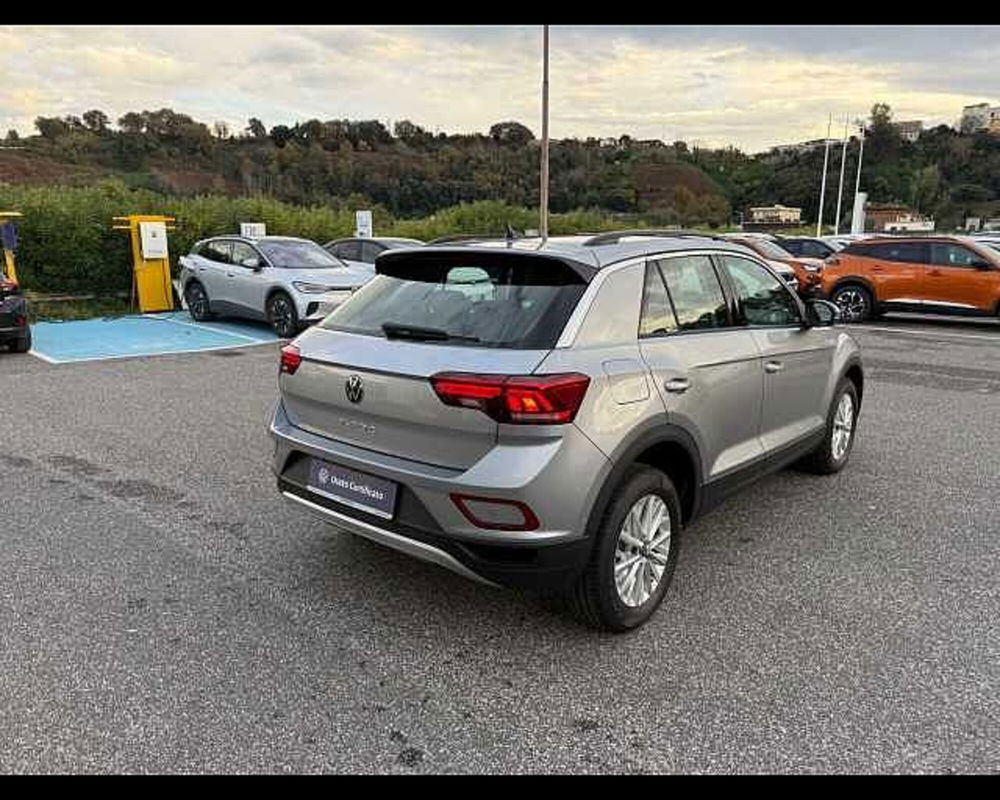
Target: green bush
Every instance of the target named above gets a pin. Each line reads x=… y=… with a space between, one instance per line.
x=67 y=244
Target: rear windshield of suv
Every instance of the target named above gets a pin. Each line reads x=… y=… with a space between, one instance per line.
x=465 y=299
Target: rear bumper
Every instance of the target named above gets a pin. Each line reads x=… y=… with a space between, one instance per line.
x=426 y=523
x=11 y=310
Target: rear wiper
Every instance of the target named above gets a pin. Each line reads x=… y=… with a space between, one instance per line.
x=395 y=330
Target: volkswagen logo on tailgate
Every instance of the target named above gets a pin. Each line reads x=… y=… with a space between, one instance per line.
x=355 y=389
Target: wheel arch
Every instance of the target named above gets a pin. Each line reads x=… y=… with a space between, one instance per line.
x=668 y=448
x=855 y=279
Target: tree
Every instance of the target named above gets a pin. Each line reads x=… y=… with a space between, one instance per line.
x=51 y=127
x=95 y=120
x=512 y=134
x=132 y=122
x=281 y=135
x=221 y=130
x=256 y=128
x=12 y=136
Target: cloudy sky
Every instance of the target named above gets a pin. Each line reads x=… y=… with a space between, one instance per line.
x=752 y=87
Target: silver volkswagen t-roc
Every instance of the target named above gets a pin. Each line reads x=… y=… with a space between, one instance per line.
x=551 y=415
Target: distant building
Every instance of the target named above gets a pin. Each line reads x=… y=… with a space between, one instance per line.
x=775 y=215
x=980 y=117
x=887 y=218
x=804 y=147
x=909 y=130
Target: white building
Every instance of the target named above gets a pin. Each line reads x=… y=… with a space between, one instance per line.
x=979 y=117
x=776 y=214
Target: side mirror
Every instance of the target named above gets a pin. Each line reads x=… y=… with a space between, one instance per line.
x=821 y=313
x=981 y=263
x=251 y=262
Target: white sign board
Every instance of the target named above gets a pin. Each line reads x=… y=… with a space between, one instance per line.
x=153 y=239
x=253 y=230
x=363 y=224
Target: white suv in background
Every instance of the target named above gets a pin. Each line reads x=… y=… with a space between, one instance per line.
x=285 y=281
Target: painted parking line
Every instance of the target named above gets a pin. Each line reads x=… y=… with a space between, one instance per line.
x=201 y=326
x=934 y=334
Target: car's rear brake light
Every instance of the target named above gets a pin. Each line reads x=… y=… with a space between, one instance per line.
x=290 y=359
x=517 y=399
x=496 y=515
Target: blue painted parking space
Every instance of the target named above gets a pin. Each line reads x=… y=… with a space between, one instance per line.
x=140 y=335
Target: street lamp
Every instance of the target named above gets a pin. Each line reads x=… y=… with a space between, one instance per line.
x=840 y=191
x=822 y=191
x=857 y=219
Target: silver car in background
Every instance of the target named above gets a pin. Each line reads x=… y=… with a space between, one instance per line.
x=361 y=251
x=552 y=415
x=286 y=281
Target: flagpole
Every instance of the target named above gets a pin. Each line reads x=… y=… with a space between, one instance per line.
x=822 y=191
x=840 y=191
x=544 y=193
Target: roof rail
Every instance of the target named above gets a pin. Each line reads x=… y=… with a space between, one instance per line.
x=613 y=237
x=464 y=237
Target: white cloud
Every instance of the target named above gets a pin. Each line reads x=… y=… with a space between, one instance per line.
x=751 y=87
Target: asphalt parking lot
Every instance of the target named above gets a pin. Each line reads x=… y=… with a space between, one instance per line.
x=162 y=609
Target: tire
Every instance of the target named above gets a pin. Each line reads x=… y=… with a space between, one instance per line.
x=282 y=315
x=197 y=302
x=855 y=302
x=596 y=597
x=832 y=454
x=22 y=344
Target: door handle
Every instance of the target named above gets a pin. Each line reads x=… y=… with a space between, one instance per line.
x=934 y=272
x=230 y=274
x=878 y=268
x=677 y=385
x=773 y=366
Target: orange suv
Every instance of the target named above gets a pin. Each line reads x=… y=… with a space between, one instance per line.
x=953 y=274
x=806 y=269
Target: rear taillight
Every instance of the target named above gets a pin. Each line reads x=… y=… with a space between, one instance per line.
x=517 y=399
x=290 y=359
x=20 y=321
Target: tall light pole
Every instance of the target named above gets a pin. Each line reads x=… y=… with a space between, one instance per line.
x=822 y=190
x=544 y=193
x=840 y=191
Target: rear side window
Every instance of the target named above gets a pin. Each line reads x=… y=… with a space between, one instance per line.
x=218 y=251
x=902 y=252
x=465 y=299
x=657 y=315
x=695 y=292
x=953 y=255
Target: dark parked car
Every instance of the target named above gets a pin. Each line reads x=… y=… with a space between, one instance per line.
x=360 y=251
x=14 y=329
x=808 y=246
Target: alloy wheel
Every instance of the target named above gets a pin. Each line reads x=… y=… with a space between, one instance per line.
x=843 y=427
x=282 y=316
x=853 y=304
x=642 y=550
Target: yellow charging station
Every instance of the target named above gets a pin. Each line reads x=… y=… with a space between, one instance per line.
x=8 y=242
x=150 y=260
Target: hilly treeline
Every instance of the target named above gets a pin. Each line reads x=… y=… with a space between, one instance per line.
x=408 y=170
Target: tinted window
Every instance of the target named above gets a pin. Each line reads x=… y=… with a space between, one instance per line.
x=368 y=252
x=767 y=248
x=216 y=251
x=902 y=252
x=297 y=254
x=350 y=251
x=243 y=252
x=479 y=300
x=814 y=249
x=793 y=246
x=953 y=255
x=763 y=298
x=695 y=292
x=657 y=316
